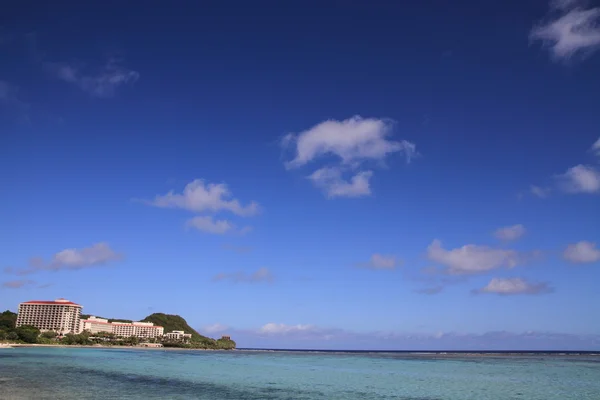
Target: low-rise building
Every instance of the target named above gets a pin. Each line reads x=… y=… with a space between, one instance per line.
x=178 y=335
x=122 y=329
x=60 y=315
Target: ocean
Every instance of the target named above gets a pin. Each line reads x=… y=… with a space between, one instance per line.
x=94 y=373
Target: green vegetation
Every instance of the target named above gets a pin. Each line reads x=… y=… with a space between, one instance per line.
x=8 y=320
x=22 y=334
x=177 y=323
x=126 y=321
x=30 y=334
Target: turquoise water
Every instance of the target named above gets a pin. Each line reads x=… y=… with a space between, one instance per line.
x=75 y=373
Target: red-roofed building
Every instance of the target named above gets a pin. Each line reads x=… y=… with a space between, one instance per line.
x=60 y=315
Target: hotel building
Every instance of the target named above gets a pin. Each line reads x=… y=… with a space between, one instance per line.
x=178 y=335
x=60 y=315
x=123 y=329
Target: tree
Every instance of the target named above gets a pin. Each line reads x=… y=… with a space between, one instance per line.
x=49 y=335
x=28 y=333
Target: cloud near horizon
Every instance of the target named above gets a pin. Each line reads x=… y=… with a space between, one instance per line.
x=570 y=30
x=98 y=254
x=513 y=286
x=352 y=142
x=259 y=276
x=582 y=252
x=307 y=336
x=102 y=82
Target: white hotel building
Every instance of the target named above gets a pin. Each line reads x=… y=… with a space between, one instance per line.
x=123 y=329
x=60 y=315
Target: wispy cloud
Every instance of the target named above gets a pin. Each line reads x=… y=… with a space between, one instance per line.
x=261 y=275
x=101 y=82
x=380 y=262
x=308 y=336
x=540 y=192
x=580 y=179
x=219 y=227
x=582 y=252
x=214 y=328
x=72 y=259
x=351 y=142
x=509 y=233
x=596 y=148
x=471 y=258
x=571 y=29
x=513 y=286
x=431 y=290
x=18 y=284
x=279 y=329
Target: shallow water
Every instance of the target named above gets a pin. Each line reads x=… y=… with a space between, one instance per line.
x=75 y=373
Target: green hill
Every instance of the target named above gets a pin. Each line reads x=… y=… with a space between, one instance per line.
x=176 y=323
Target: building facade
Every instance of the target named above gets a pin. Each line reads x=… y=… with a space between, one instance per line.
x=178 y=335
x=96 y=325
x=60 y=315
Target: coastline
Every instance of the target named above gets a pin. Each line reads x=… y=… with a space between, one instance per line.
x=99 y=346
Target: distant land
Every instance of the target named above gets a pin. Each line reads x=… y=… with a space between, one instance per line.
x=168 y=321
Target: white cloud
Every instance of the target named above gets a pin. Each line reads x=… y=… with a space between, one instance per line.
x=471 y=259
x=539 y=191
x=596 y=147
x=218 y=227
x=582 y=252
x=351 y=143
x=198 y=196
x=330 y=180
x=353 y=140
x=380 y=261
x=215 y=328
x=570 y=30
x=513 y=286
x=509 y=233
x=283 y=329
x=74 y=259
x=100 y=83
x=580 y=179
x=261 y=275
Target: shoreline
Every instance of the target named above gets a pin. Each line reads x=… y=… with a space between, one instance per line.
x=80 y=346
x=398 y=353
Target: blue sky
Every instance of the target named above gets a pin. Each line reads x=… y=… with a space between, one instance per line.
x=308 y=175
